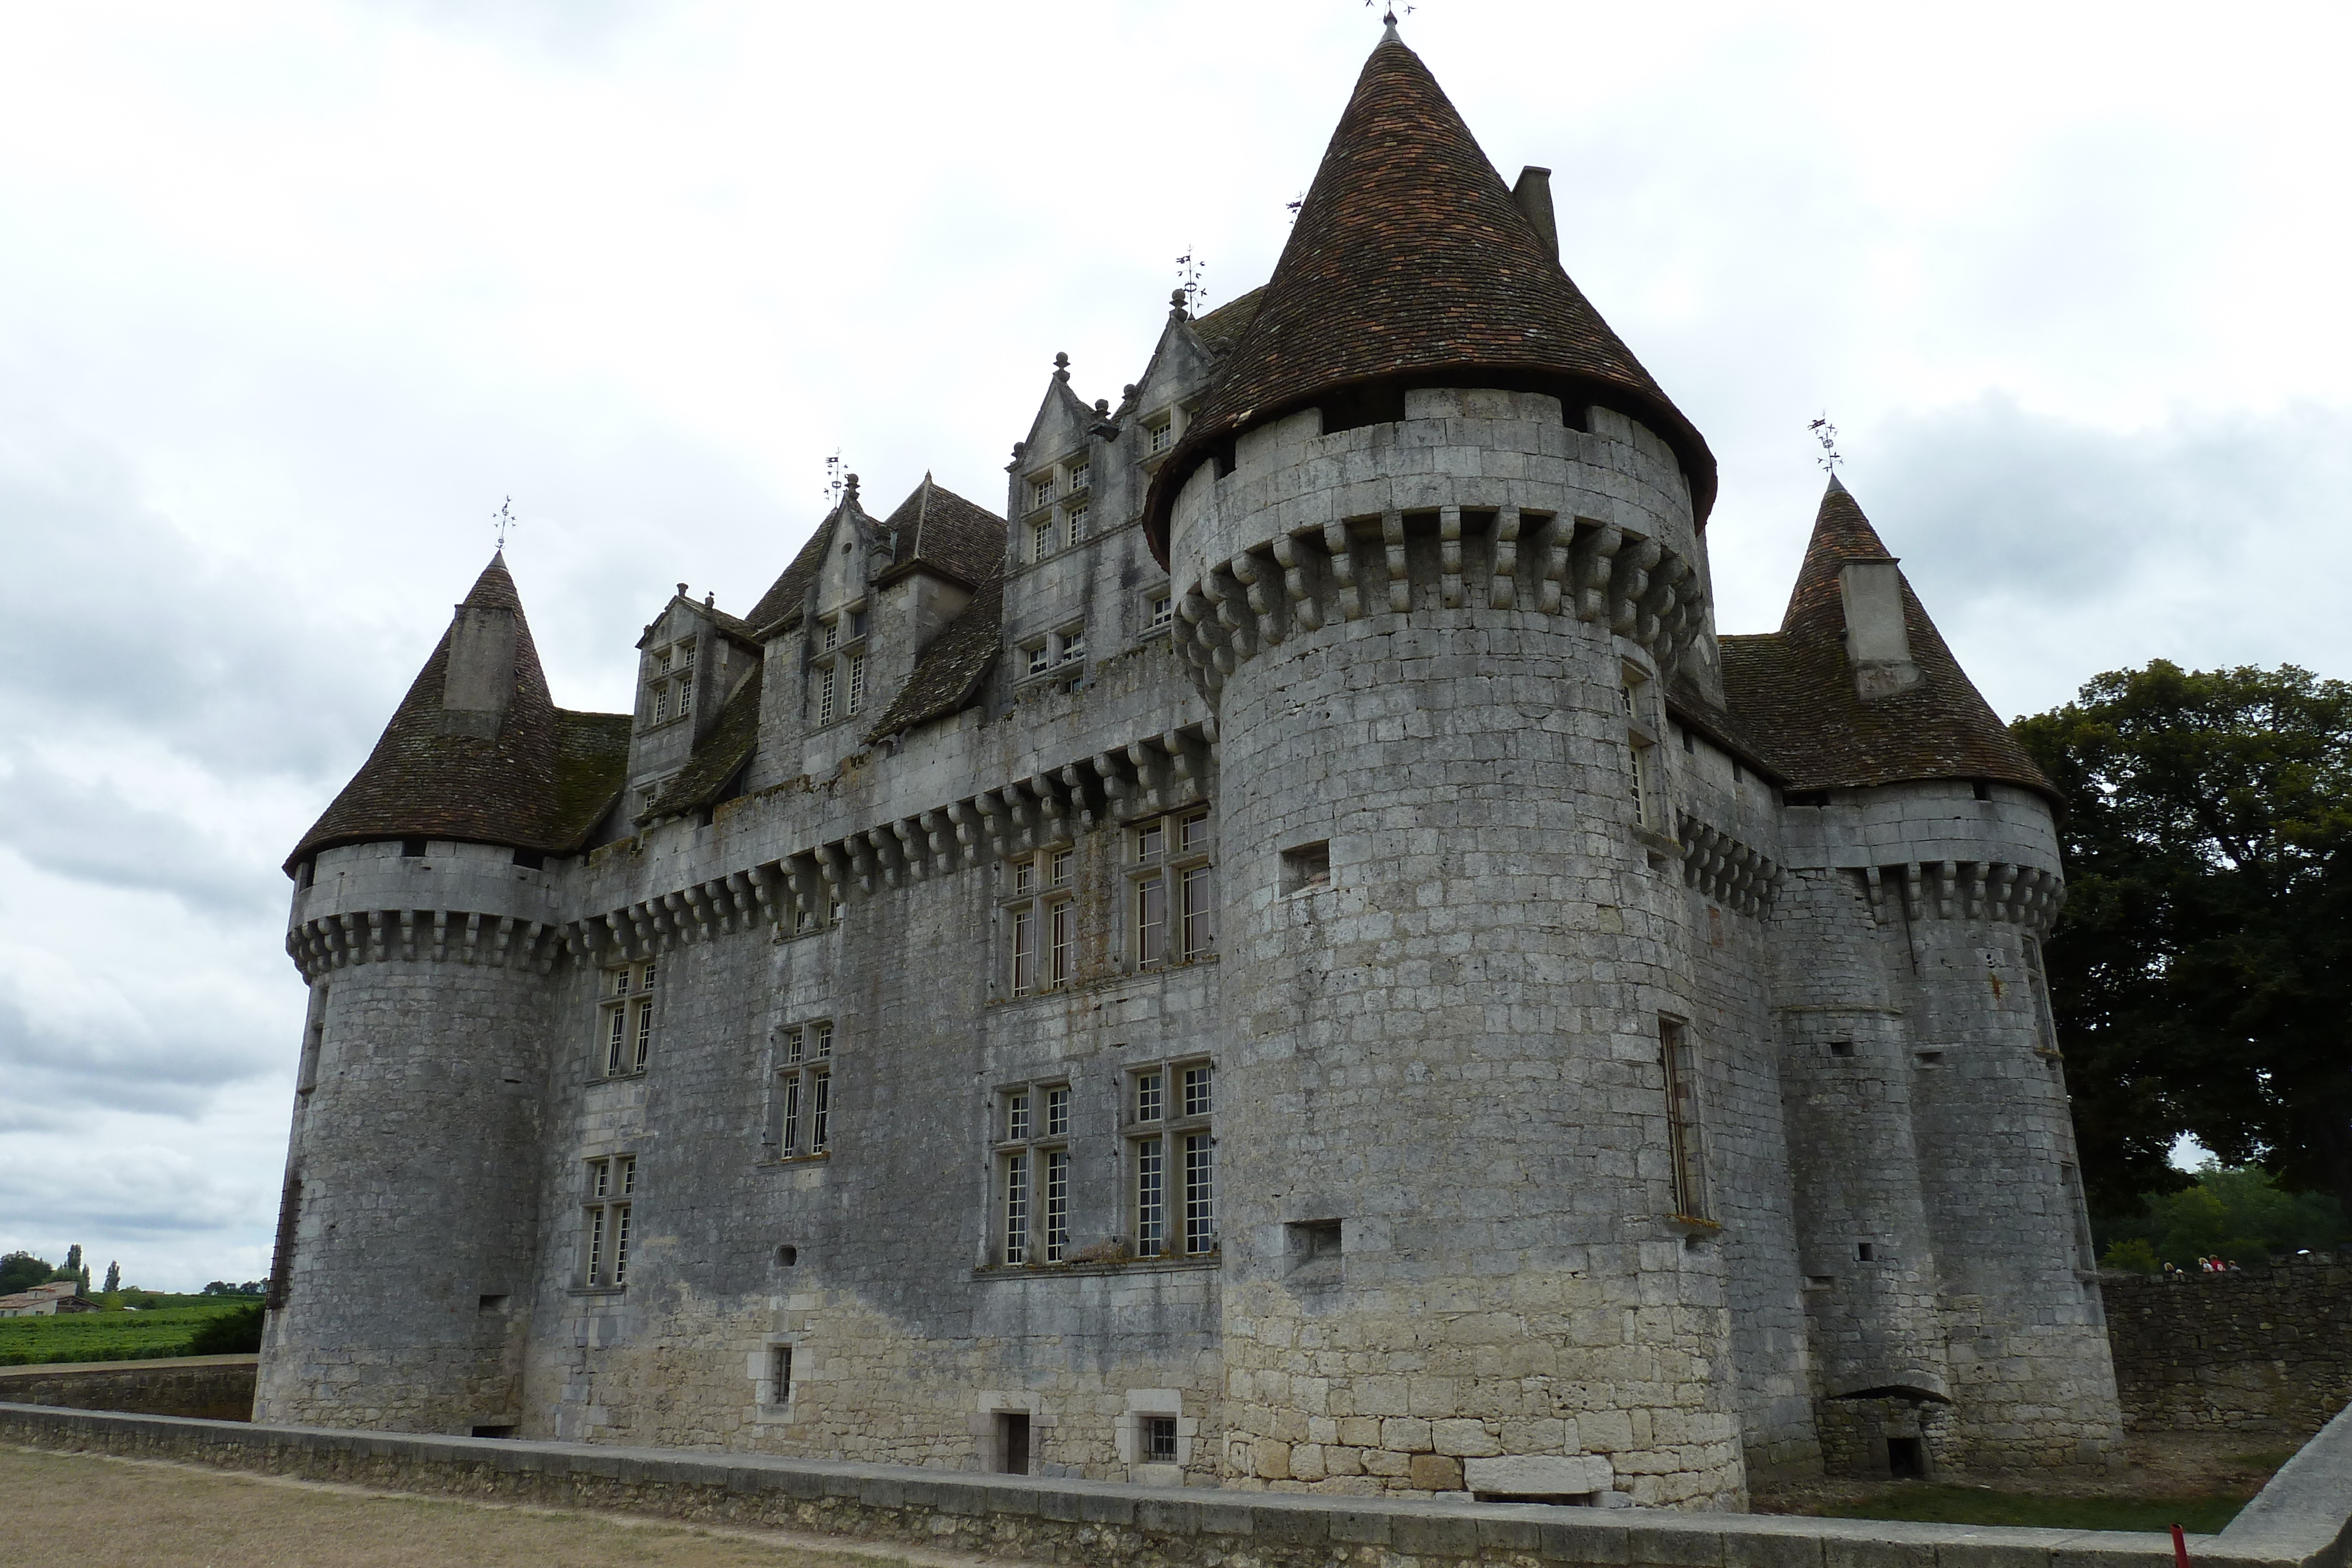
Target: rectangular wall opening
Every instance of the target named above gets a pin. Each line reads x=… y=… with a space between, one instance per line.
x=1306 y=866
x=1159 y=1439
x=1906 y=1459
x=1012 y=1442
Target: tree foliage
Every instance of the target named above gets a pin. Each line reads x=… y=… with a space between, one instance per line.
x=22 y=1271
x=2201 y=973
x=2238 y=1214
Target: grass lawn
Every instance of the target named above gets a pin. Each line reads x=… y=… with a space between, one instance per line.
x=112 y=1334
x=98 y=1513
x=1930 y=1503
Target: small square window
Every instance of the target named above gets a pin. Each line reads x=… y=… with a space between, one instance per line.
x=1041 y=540
x=1017 y=1117
x=1040 y=658
x=832 y=634
x=1077 y=518
x=1307 y=867
x=1041 y=491
x=1073 y=645
x=1150 y=841
x=1149 y=1092
x=1057 y=1112
x=661 y=662
x=1163 y=610
x=1080 y=473
x=1024 y=877
x=1156 y=436
x=1060 y=866
x=1159 y=1439
x=686 y=654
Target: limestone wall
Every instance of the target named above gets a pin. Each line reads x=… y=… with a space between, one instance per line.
x=2265 y=1350
x=214 y=1387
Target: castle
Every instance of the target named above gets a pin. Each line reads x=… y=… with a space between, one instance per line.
x=1300 y=959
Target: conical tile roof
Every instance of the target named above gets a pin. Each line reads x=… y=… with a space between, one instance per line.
x=1793 y=689
x=542 y=784
x=1410 y=261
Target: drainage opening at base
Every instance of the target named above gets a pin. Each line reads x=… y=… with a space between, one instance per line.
x=1557 y=1500
x=494 y=1431
x=1907 y=1458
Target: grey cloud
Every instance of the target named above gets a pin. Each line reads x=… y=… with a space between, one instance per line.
x=90 y=832
x=166 y=1060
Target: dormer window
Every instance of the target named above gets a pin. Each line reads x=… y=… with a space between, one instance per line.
x=1076 y=516
x=1074 y=645
x=838 y=666
x=1158 y=434
x=832 y=635
x=1041 y=492
x=1040 y=539
x=1041 y=657
x=670 y=681
x=1164 y=611
x=1081 y=474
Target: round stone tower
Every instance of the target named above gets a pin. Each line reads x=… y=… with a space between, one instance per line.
x=423 y=921
x=1436 y=550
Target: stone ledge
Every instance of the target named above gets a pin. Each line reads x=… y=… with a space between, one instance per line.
x=1097 y=1523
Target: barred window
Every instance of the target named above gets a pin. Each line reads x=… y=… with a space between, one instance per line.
x=605 y=1240
x=625 y=1019
x=1642 y=750
x=800 y=1104
x=1688 y=1166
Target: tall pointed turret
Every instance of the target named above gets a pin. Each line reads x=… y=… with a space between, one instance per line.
x=1830 y=690
x=1412 y=264
x=477 y=751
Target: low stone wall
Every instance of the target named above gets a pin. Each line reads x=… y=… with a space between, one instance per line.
x=213 y=1387
x=1097 y=1524
x=2265 y=1350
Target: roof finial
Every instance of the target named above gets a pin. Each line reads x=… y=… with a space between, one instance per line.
x=849 y=489
x=1387 y=23
x=1826 y=433
x=1061 y=367
x=505 y=520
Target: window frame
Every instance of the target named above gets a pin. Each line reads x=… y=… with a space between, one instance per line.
x=626 y=1018
x=1679 y=1074
x=1167 y=1215
x=606 y=1210
x=1032 y=1170
x=836 y=660
x=804 y=1061
x=1173 y=852
x=1038 y=907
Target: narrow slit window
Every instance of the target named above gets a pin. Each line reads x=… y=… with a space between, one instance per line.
x=1058 y=1204
x=1150 y=1200
x=1016 y=1209
x=1689 y=1173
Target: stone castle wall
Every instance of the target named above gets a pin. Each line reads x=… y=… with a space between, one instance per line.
x=2262 y=1351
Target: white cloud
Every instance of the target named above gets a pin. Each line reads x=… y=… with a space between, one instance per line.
x=292 y=292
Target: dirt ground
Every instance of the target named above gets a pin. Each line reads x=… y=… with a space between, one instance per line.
x=2155 y=1465
x=99 y=1512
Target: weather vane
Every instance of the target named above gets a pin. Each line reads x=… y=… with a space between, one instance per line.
x=1826 y=433
x=505 y=521
x=1189 y=268
x=832 y=478
x=1390 y=16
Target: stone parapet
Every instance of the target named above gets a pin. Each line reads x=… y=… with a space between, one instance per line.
x=2263 y=1350
x=214 y=1387
x=1101 y=1523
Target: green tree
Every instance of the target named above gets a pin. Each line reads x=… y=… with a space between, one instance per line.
x=2240 y=1214
x=113 y=1278
x=2201 y=972
x=2134 y=1256
x=22 y=1271
x=233 y=1333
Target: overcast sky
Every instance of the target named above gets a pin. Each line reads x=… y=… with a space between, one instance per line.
x=293 y=293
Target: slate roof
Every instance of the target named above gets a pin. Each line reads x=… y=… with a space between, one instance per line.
x=544 y=784
x=1410 y=261
x=1792 y=690
x=718 y=757
x=1223 y=327
x=936 y=528
x=948 y=678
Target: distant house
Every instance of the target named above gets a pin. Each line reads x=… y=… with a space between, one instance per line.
x=46 y=1301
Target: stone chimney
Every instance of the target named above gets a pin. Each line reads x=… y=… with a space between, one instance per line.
x=1877 y=641
x=479 y=685
x=1533 y=192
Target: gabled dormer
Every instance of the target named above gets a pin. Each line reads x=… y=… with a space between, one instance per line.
x=692 y=660
x=1051 y=494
